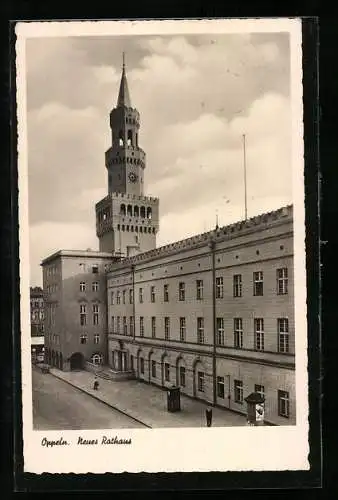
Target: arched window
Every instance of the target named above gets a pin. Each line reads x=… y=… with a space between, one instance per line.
x=129 y=138
x=123 y=209
x=127 y=228
x=129 y=210
x=132 y=229
x=97 y=359
x=140 y=229
x=118 y=227
x=136 y=229
x=153 y=230
x=143 y=212
x=149 y=229
x=136 y=211
x=149 y=213
x=122 y=227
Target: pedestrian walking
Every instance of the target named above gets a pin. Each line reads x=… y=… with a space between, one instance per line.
x=96 y=384
x=208 y=414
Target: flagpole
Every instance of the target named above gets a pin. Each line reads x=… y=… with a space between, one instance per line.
x=245 y=190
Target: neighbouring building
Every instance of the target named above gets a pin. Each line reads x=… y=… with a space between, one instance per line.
x=37 y=322
x=213 y=314
x=75 y=308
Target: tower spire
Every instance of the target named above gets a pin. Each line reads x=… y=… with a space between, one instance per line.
x=124 y=97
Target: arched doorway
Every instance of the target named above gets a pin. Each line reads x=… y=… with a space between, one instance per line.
x=199 y=379
x=76 y=361
x=61 y=361
x=181 y=375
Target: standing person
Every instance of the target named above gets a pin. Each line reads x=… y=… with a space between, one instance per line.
x=208 y=414
x=96 y=384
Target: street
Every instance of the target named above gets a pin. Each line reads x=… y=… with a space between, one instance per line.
x=57 y=405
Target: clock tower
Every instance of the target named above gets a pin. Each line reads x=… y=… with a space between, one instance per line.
x=126 y=219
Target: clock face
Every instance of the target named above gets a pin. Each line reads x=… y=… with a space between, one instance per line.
x=132 y=177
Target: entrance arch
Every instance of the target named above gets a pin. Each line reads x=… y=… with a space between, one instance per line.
x=77 y=361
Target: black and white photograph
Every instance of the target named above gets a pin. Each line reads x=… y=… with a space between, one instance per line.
x=162 y=258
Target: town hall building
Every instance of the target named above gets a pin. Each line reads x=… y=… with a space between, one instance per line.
x=212 y=314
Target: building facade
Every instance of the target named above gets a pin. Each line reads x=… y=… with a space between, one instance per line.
x=212 y=314
x=37 y=322
x=75 y=308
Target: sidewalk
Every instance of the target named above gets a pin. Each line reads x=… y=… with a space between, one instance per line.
x=148 y=404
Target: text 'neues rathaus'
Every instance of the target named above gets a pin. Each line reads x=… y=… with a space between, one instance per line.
x=212 y=314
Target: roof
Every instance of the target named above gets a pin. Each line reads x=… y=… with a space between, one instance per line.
x=124 y=97
x=219 y=234
x=77 y=253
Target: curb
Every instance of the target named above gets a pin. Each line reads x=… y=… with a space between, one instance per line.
x=102 y=401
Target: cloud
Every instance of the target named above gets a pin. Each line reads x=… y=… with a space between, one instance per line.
x=197 y=95
x=49 y=237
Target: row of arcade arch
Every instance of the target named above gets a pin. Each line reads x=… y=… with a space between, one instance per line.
x=136 y=211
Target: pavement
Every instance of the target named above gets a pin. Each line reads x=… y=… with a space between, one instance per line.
x=58 y=405
x=147 y=404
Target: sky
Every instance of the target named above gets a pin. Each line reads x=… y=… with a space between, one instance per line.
x=197 y=95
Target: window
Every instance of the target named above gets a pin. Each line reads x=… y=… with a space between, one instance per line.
x=200 y=381
x=258 y=283
x=283 y=334
x=95 y=314
x=166 y=293
x=96 y=338
x=83 y=315
x=112 y=298
x=283 y=404
x=181 y=291
x=95 y=269
x=238 y=390
x=167 y=328
x=131 y=325
x=97 y=359
x=131 y=296
x=237 y=285
x=182 y=376
x=153 y=368
x=152 y=294
x=123 y=297
x=112 y=323
x=118 y=324
x=238 y=333
x=182 y=329
x=142 y=365
x=166 y=372
x=259 y=389
x=219 y=288
x=83 y=339
x=220 y=331
x=82 y=286
x=282 y=281
x=153 y=327
x=125 y=326
x=200 y=330
x=141 y=326
x=259 y=334
x=118 y=298
x=220 y=387
x=140 y=295
x=199 y=289
x=95 y=286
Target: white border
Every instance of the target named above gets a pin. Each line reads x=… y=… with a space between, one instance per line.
x=168 y=450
